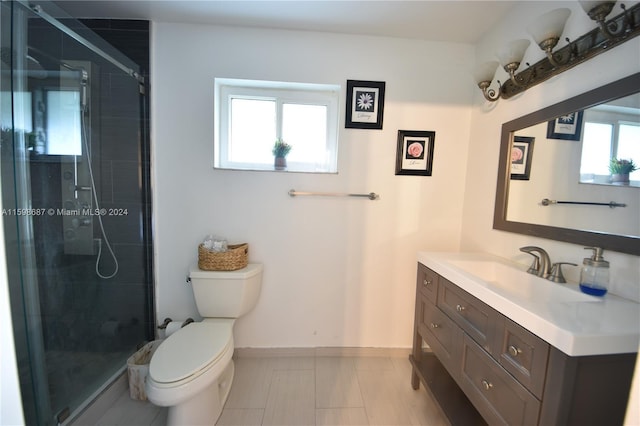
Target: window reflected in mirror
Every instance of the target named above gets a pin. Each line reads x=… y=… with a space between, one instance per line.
x=611 y=143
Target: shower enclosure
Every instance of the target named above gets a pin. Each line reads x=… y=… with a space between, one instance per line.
x=74 y=176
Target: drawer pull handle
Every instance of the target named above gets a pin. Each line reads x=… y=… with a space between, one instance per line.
x=426 y=283
x=486 y=385
x=434 y=325
x=460 y=308
x=514 y=351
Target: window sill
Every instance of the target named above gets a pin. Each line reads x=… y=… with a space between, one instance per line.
x=273 y=170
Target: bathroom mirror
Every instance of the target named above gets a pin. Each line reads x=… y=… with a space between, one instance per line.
x=540 y=190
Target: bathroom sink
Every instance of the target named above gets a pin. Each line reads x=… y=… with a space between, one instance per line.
x=511 y=282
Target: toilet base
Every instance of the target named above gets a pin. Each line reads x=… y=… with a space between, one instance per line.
x=204 y=408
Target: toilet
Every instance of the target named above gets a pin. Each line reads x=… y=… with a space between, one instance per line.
x=192 y=370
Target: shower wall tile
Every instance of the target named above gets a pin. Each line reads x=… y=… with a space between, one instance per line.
x=131 y=264
x=123 y=222
x=122 y=137
x=127 y=181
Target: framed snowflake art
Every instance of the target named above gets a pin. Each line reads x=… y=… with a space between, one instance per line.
x=566 y=126
x=365 y=104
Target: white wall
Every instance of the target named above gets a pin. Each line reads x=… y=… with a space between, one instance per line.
x=486 y=124
x=338 y=272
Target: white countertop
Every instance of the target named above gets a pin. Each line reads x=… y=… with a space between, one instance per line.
x=596 y=326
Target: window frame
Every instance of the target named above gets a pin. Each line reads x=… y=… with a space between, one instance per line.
x=327 y=95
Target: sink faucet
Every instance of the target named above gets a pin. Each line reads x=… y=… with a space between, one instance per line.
x=541 y=263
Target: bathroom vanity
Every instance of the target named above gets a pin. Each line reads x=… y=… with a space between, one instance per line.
x=506 y=347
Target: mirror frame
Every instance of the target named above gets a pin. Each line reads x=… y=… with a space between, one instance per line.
x=620 y=243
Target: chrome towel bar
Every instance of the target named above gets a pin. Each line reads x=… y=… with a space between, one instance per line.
x=372 y=195
x=611 y=204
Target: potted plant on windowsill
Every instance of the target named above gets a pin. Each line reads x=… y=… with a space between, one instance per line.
x=280 y=151
x=620 y=170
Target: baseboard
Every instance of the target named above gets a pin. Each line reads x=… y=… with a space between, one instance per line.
x=321 y=352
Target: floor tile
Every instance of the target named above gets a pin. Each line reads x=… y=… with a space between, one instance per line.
x=291 y=399
x=126 y=411
x=341 y=416
x=251 y=383
x=307 y=390
x=337 y=383
x=373 y=363
x=292 y=363
x=381 y=398
x=241 y=417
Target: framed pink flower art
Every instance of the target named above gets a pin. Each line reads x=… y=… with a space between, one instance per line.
x=365 y=104
x=521 y=156
x=414 y=155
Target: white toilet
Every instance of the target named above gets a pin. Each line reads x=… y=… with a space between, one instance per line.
x=192 y=370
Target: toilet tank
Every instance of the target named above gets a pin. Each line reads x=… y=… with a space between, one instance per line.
x=226 y=294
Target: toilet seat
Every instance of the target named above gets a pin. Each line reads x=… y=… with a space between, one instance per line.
x=190 y=351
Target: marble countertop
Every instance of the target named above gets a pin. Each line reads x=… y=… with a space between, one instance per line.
x=585 y=326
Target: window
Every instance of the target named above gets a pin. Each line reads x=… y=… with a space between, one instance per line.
x=251 y=115
x=606 y=140
x=63 y=122
x=596 y=146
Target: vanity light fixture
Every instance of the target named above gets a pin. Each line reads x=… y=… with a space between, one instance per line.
x=546 y=31
x=510 y=57
x=483 y=76
x=599 y=10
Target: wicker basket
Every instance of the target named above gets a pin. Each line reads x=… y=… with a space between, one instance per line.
x=236 y=257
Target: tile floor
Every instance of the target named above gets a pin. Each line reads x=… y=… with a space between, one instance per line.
x=308 y=390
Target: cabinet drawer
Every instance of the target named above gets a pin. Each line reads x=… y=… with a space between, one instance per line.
x=427 y=282
x=524 y=355
x=440 y=333
x=494 y=392
x=472 y=315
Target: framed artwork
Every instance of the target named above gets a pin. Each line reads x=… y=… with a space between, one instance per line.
x=521 y=155
x=365 y=104
x=567 y=127
x=414 y=155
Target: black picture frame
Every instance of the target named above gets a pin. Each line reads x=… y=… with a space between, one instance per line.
x=365 y=104
x=414 y=153
x=566 y=127
x=521 y=157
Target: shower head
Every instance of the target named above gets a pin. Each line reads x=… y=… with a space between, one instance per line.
x=51 y=62
x=38 y=62
x=84 y=75
x=34 y=67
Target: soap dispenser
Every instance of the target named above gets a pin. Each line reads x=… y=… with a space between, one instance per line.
x=594 y=276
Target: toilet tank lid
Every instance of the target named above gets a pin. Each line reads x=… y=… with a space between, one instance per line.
x=248 y=271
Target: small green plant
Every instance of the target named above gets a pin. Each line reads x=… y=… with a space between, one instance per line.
x=281 y=148
x=620 y=166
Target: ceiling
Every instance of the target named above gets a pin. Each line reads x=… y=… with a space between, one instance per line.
x=452 y=20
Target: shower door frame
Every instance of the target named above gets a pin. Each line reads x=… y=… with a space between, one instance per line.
x=21 y=10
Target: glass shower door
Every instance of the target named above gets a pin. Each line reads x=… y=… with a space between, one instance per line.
x=75 y=210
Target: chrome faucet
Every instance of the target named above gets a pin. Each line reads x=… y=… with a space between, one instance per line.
x=541 y=262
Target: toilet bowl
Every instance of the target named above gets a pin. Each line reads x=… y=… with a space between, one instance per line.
x=192 y=370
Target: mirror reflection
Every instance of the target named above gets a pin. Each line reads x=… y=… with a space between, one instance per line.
x=612 y=132
x=573 y=152
x=569 y=172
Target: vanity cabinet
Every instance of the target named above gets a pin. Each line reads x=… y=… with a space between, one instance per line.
x=483 y=367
